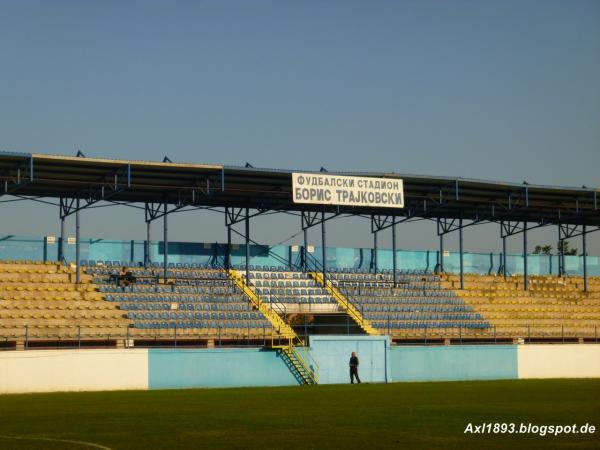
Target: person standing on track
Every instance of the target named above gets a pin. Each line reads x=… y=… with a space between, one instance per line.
x=354 y=368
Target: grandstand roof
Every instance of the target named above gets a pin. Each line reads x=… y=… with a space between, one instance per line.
x=42 y=175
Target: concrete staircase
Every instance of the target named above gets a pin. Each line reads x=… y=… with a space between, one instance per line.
x=345 y=304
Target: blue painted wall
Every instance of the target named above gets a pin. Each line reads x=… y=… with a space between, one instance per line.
x=35 y=248
x=332 y=353
x=480 y=263
x=194 y=368
x=465 y=362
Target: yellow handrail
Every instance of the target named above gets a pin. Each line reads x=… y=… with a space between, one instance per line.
x=343 y=301
x=314 y=369
x=282 y=327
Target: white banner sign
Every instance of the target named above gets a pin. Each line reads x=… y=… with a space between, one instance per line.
x=323 y=189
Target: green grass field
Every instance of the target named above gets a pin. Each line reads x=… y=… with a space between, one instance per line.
x=402 y=415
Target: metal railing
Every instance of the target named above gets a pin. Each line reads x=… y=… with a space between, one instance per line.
x=310 y=364
x=76 y=337
x=313 y=265
x=278 y=308
x=326 y=324
x=525 y=334
x=79 y=336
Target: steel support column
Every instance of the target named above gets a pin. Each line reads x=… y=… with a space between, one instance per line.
x=61 y=244
x=510 y=228
x=559 y=253
x=504 y=269
x=562 y=259
x=572 y=231
x=394 y=260
x=152 y=212
x=228 y=254
x=247 y=223
x=305 y=249
x=77 y=246
x=375 y=252
x=147 y=258
x=324 y=243
x=460 y=249
x=584 y=245
x=525 y=272
x=441 y=257
x=165 y=243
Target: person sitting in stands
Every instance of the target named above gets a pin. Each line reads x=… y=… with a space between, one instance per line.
x=125 y=277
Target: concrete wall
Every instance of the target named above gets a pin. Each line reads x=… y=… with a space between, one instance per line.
x=114 y=369
x=464 y=362
x=559 y=361
x=332 y=354
x=168 y=368
x=73 y=370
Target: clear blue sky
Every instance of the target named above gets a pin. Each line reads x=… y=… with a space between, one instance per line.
x=505 y=90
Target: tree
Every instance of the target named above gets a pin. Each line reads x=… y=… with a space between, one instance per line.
x=564 y=248
x=542 y=250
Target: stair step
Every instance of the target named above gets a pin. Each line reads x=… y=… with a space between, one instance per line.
x=345 y=305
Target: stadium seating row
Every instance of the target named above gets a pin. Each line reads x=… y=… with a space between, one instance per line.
x=550 y=305
x=199 y=299
x=290 y=288
x=206 y=300
x=420 y=302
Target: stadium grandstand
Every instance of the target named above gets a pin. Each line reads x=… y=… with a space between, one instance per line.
x=281 y=296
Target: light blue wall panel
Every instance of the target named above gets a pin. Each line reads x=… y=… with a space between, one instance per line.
x=260 y=255
x=194 y=368
x=465 y=362
x=332 y=354
x=23 y=248
x=34 y=248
